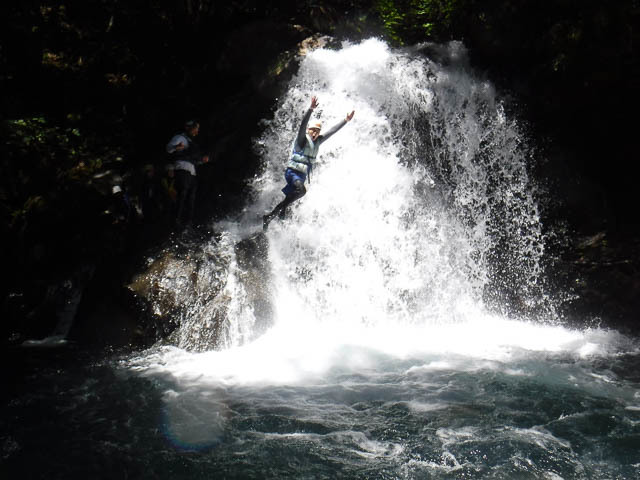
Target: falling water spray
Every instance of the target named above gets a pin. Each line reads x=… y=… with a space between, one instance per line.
x=420 y=211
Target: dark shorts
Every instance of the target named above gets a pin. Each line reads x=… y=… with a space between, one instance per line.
x=291 y=176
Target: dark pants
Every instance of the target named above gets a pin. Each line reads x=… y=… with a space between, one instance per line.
x=294 y=190
x=186 y=185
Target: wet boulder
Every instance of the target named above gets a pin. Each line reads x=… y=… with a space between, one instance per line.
x=182 y=292
x=252 y=256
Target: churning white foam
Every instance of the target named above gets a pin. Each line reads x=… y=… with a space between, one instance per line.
x=418 y=211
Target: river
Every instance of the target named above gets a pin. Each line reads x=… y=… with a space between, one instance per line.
x=407 y=327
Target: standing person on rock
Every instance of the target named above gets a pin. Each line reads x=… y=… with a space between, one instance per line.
x=300 y=164
x=187 y=155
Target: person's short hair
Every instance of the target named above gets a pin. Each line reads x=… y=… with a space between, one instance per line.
x=189 y=124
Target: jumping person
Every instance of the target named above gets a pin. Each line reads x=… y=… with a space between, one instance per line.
x=299 y=166
x=186 y=154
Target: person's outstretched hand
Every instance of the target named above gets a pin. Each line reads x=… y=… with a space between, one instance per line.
x=350 y=115
x=314 y=102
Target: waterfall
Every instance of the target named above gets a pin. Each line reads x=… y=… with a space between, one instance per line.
x=420 y=211
x=396 y=324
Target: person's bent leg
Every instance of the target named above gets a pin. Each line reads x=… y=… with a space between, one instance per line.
x=293 y=191
x=182 y=187
x=266 y=219
x=298 y=192
x=191 y=199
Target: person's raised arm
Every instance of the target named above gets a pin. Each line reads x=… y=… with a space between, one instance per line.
x=335 y=128
x=301 y=138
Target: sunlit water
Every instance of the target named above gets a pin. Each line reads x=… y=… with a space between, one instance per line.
x=412 y=333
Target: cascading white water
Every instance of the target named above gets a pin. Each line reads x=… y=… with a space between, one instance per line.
x=385 y=356
x=420 y=210
x=417 y=207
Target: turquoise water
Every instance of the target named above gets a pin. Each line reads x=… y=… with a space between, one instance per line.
x=359 y=412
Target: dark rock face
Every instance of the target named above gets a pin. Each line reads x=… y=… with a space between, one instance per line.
x=185 y=285
x=252 y=255
x=186 y=299
x=603 y=273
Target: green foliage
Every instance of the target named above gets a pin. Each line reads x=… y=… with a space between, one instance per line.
x=416 y=20
x=392 y=18
x=42 y=159
x=36 y=145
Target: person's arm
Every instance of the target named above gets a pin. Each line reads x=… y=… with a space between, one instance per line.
x=197 y=154
x=301 y=138
x=177 y=143
x=201 y=158
x=325 y=136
